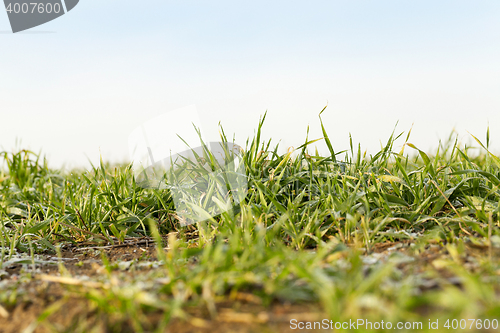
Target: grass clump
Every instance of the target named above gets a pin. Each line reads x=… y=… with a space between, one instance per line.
x=394 y=236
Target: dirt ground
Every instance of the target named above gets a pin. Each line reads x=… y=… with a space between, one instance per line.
x=244 y=314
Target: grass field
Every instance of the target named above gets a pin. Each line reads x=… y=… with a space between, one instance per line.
x=404 y=237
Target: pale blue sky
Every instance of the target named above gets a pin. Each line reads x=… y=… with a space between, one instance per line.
x=108 y=66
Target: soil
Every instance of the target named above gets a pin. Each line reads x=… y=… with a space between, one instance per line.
x=243 y=314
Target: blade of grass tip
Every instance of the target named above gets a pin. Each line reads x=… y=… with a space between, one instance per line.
x=102 y=166
x=409 y=133
x=259 y=131
x=253 y=153
x=425 y=158
x=222 y=134
x=495 y=158
x=488 y=136
x=307 y=143
x=358 y=157
x=401 y=152
x=350 y=144
x=192 y=150
x=454 y=149
x=325 y=136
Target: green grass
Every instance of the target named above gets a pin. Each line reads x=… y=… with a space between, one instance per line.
x=308 y=232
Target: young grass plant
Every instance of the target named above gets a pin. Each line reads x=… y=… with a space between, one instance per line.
x=311 y=228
